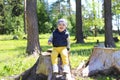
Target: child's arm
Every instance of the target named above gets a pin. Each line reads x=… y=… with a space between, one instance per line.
x=68 y=43
x=50 y=39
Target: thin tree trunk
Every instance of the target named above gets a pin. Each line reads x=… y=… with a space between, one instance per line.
x=25 y=22
x=59 y=7
x=94 y=18
x=69 y=7
x=95 y=31
x=118 y=25
x=33 y=45
x=79 y=32
x=109 y=42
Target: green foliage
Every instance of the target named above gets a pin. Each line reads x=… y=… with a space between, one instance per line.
x=1 y=7
x=17 y=10
x=116 y=7
x=11 y=15
x=71 y=24
x=43 y=17
x=91 y=16
x=19 y=27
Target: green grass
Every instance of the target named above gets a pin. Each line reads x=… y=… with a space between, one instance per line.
x=14 y=60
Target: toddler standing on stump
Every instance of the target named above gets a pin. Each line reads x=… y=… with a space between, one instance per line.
x=61 y=45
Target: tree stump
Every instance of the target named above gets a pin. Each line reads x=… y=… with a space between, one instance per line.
x=102 y=60
x=42 y=70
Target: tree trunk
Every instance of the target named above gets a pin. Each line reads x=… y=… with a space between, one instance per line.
x=102 y=60
x=94 y=17
x=33 y=45
x=109 y=42
x=59 y=6
x=25 y=22
x=69 y=10
x=95 y=31
x=79 y=32
x=42 y=70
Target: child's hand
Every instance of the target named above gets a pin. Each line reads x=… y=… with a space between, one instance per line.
x=68 y=49
x=49 y=43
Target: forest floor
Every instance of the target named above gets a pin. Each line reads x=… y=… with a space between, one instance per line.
x=14 y=59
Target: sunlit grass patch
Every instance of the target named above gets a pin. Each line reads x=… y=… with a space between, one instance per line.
x=5 y=37
x=16 y=65
x=12 y=48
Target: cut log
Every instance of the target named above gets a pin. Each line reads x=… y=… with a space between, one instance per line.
x=42 y=70
x=102 y=60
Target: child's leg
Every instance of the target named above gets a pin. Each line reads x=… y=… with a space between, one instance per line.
x=65 y=60
x=54 y=59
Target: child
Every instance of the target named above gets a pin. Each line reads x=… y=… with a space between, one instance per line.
x=61 y=45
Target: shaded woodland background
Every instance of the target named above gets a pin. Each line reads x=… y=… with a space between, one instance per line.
x=12 y=16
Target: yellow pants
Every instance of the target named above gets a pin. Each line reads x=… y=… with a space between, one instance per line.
x=63 y=53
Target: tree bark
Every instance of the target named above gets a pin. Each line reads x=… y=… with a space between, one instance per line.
x=102 y=60
x=79 y=32
x=109 y=42
x=33 y=45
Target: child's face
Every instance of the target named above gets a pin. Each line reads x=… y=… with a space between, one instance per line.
x=61 y=26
